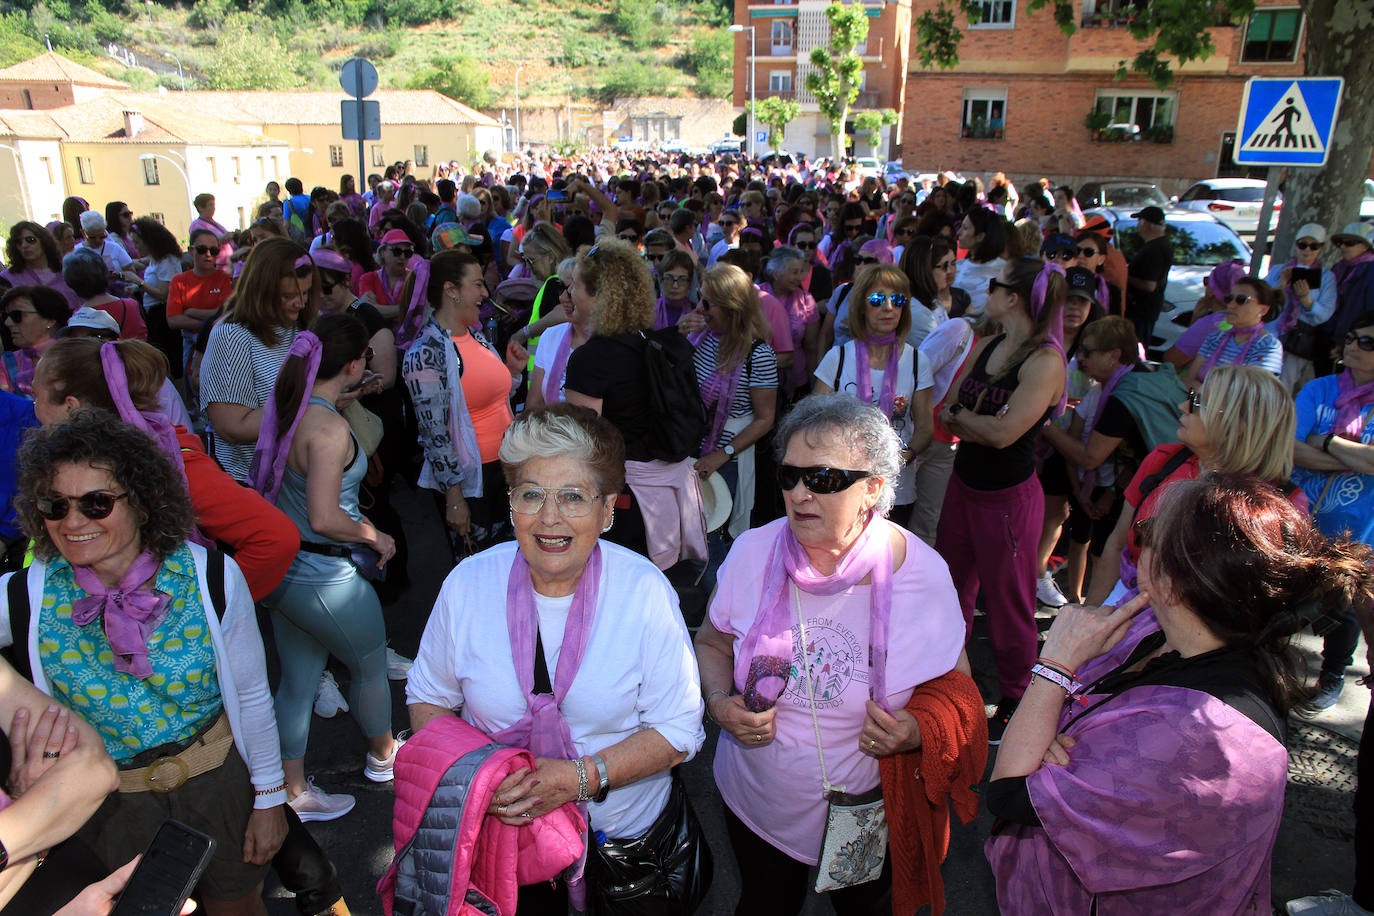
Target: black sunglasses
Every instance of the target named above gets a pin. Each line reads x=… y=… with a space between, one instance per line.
x=994 y=284
x=95 y=505
x=1143 y=529
x=1067 y=254
x=853 y=227
x=326 y=287
x=211 y=250
x=1310 y=246
x=803 y=246
x=820 y=480
x=1363 y=341
x=15 y=316
x=1194 y=400
x=1237 y=298
x=1349 y=243
x=1088 y=251
x=406 y=253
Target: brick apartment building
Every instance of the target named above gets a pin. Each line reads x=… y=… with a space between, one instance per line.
x=784 y=33
x=1019 y=96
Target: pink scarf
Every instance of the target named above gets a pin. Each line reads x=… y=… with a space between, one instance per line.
x=1345 y=271
x=131 y=612
x=1226 y=337
x=718 y=394
x=1089 y=481
x=270 y=454
x=1054 y=334
x=553 y=378
x=414 y=317
x=1351 y=400
x=542 y=730
x=864 y=381
x=764 y=662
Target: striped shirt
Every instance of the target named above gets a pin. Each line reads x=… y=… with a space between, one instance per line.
x=239 y=369
x=1266 y=352
x=760 y=371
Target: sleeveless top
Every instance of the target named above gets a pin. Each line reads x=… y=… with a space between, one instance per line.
x=316 y=567
x=982 y=467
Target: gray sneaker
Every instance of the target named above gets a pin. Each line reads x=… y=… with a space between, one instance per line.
x=315 y=804
x=1327 y=903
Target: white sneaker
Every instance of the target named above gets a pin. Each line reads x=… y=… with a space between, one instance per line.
x=1327 y=903
x=397 y=665
x=329 y=700
x=1047 y=591
x=315 y=804
x=380 y=770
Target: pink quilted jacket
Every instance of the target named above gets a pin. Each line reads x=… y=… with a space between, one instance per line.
x=446 y=775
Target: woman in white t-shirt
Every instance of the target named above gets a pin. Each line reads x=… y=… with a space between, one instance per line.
x=557 y=343
x=897 y=380
x=585 y=632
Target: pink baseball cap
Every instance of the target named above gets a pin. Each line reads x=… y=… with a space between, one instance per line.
x=327 y=259
x=396 y=237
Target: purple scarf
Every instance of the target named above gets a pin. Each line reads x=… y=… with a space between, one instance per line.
x=131 y=612
x=1345 y=271
x=864 y=381
x=1226 y=337
x=542 y=730
x=1351 y=399
x=1089 y=481
x=553 y=378
x=668 y=311
x=718 y=391
x=270 y=454
x=1054 y=334
x=413 y=319
x=764 y=661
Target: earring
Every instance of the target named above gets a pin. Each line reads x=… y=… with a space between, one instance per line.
x=610 y=524
x=511 y=513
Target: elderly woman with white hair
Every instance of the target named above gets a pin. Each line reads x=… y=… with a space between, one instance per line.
x=786 y=268
x=794 y=661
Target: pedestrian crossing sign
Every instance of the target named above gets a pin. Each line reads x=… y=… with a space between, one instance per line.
x=1287 y=120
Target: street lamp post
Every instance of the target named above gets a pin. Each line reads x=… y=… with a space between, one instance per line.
x=190 y=197
x=749 y=29
x=517 y=109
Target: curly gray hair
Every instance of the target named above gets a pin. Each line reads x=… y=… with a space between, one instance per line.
x=859 y=427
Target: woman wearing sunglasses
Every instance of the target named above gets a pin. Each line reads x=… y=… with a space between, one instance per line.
x=33 y=315
x=799 y=662
x=310 y=464
x=1246 y=341
x=33 y=258
x=276 y=298
x=1354 y=278
x=994 y=508
x=1142 y=733
x=1305 y=306
x=616 y=705
x=156 y=644
x=1240 y=421
x=1335 y=427
x=879 y=366
x=385 y=284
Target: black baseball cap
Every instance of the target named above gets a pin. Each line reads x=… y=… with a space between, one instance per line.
x=1150 y=215
x=1056 y=243
x=1082 y=282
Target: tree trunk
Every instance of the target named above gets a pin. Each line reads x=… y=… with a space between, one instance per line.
x=837 y=139
x=1337 y=30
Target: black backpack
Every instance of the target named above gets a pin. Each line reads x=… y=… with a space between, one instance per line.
x=679 y=416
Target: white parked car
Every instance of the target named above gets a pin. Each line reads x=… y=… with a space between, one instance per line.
x=1234 y=201
x=868 y=166
x=1201 y=242
x=1367 y=203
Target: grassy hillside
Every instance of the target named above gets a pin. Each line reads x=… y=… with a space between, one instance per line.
x=470 y=49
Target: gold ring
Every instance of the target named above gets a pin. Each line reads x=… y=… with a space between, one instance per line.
x=872 y=743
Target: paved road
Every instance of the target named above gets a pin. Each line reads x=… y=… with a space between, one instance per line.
x=1313 y=852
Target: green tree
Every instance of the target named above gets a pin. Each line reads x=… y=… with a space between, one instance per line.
x=457 y=76
x=777 y=114
x=248 y=57
x=835 y=82
x=637 y=21
x=1338 y=36
x=871 y=123
x=740 y=126
x=629 y=77
x=708 y=58
x=17 y=41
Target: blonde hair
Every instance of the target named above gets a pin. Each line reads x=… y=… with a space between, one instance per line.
x=615 y=274
x=1250 y=421
x=865 y=282
x=729 y=289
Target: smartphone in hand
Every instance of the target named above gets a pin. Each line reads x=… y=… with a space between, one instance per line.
x=167 y=873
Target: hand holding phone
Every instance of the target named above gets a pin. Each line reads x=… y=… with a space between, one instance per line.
x=166 y=873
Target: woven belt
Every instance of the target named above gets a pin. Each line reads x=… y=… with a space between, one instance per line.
x=167 y=774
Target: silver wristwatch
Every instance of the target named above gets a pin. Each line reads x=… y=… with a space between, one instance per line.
x=729 y=450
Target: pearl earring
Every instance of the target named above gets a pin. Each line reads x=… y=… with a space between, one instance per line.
x=610 y=524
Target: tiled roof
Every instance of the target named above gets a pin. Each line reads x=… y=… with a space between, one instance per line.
x=165 y=120
x=398 y=106
x=51 y=67
x=29 y=125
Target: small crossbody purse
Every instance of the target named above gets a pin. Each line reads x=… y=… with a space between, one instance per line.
x=855 y=843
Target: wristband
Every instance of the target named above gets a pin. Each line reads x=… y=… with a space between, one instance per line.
x=603 y=777
x=262 y=792
x=1055 y=676
x=1326 y=443
x=1051 y=663
x=583 y=788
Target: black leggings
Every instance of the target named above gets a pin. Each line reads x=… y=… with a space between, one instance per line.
x=772 y=883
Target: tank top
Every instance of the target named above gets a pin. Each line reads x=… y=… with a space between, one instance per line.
x=486 y=388
x=315 y=567
x=983 y=467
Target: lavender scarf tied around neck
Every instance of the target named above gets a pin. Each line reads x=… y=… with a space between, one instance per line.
x=131 y=612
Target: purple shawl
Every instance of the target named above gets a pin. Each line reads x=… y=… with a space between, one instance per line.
x=553 y=378
x=718 y=392
x=668 y=311
x=270 y=454
x=1089 y=481
x=413 y=318
x=1351 y=400
x=1344 y=270
x=1226 y=337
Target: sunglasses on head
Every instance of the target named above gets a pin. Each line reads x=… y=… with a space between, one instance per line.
x=1194 y=400
x=1363 y=341
x=1309 y=246
x=211 y=250
x=15 y=316
x=1237 y=298
x=819 y=479
x=1143 y=529
x=878 y=300
x=95 y=505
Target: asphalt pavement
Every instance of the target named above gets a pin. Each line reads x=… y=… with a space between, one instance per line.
x=1314 y=849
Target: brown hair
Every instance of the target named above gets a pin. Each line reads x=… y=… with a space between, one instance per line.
x=865 y=282
x=1114 y=333
x=45 y=240
x=343 y=338
x=71 y=368
x=1024 y=272
x=256 y=300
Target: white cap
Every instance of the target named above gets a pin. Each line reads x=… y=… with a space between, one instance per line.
x=1312 y=231
x=87 y=317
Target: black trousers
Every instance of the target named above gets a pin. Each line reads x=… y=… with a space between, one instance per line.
x=772 y=883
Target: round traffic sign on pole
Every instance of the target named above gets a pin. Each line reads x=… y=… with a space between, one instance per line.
x=358 y=77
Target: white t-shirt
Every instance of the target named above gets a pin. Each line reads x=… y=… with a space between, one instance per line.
x=547 y=351
x=973 y=279
x=907 y=382
x=160 y=272
x=638 y=671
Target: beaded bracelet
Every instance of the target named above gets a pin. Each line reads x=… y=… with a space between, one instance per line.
x=261 y=792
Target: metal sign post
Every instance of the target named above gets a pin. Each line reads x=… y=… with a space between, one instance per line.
x=360 y=120
x=1284 y=122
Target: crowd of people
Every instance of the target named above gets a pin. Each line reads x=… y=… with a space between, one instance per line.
x=857 y=414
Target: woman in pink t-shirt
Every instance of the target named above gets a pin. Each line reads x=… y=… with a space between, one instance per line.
x=794 y=654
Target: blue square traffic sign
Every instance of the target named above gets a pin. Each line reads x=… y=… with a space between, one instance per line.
x=1287 y=120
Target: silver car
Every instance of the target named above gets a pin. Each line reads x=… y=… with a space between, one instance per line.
x=1234 y=201
x=1201 y=242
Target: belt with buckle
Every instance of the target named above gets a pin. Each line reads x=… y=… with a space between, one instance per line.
x=167 y=774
